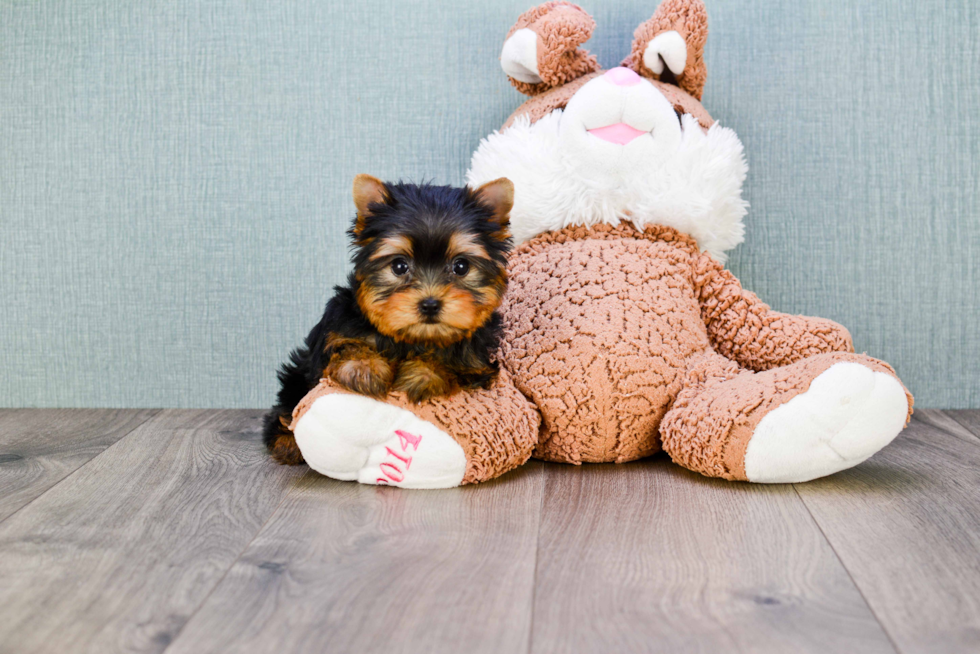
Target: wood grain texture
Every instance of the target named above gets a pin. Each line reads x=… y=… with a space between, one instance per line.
x=970 y=419
x=906 y=524
x=349 y=568
x=181 y=536
x=40 y=447
x=648 y=557
x=964 y=425
x=118 y=556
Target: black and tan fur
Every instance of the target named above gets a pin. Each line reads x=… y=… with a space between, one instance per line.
x=418 y=313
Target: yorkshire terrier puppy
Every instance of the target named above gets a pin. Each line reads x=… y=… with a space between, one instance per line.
x=419 y=312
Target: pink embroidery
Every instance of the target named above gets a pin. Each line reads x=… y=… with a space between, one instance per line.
x=390 y=468
x=406 y=460
x=407 y=439
x=395 y=471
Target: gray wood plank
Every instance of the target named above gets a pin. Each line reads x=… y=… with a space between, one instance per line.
x=118 y=556
x=648 y=557
x=954 y=423
x=344 y=567
x=40 y=447
x=970 y=419
x=906 y=524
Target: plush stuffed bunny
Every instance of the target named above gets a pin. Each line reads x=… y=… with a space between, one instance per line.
x=624 y=334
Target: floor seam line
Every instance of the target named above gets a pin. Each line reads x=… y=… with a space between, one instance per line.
x=537 y=557
x=850 y=576
x=952 y=414
x=72 y=473
x=971 y=438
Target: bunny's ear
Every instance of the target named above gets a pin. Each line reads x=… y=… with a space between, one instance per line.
x=541 y=50
x=670 y=46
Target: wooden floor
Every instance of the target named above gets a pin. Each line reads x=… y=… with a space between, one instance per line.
x=170 y=531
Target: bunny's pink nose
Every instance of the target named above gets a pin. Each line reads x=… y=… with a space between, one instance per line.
x=622 y=76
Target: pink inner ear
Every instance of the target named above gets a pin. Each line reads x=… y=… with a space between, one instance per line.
x=620 y=133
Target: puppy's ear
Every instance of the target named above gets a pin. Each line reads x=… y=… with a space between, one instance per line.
x=541 y=51
x=367 y=191
x=498 y=196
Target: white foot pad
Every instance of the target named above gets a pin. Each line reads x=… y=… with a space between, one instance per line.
x=848 y=413
x=352 y=437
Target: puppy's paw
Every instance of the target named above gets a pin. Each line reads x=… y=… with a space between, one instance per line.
x=421 y=379
x=478 y=377
x=364 y=375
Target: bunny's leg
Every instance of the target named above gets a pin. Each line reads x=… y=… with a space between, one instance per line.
x=465 y=438
x=790 y=424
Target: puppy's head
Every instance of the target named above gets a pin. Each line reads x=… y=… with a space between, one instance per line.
x=429 y=261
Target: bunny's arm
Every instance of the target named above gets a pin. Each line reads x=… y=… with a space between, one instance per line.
x=744 y=329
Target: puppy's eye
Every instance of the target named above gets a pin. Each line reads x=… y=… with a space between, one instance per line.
x=460 y=267
x=399 y=267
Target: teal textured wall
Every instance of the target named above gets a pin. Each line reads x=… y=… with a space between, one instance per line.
x=174 y=175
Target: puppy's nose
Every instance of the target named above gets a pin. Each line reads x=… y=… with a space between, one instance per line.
x=430 y=307
x=622 y=76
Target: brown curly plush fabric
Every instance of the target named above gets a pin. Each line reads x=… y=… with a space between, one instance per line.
x=746 y=330
x=598 y=326
x=627 y=342
x=709 y=426
x=610 y=330
x=540 y=106
x=564 y=68
x=496 y=427
x=620 y=342
x=561 y=27
x=688 y=18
